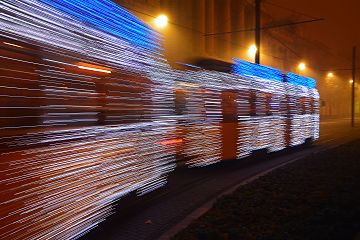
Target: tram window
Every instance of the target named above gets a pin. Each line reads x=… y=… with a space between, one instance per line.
x=284 y=105
x=268 y=100
x=309 y=106
x=260 y=104
x=293 y=105
x=312 y=109
x=302 y=106
x=229 y=106
x=212 y=104
x=276 y=101
x=305 y=107
x=127 y=99
x=253 y=101
x=243 y=103
x=299 y=106
x=180 y=102
x=20 y=89
x=314 y=105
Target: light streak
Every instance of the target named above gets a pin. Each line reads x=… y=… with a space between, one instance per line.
x=172 y=141
x=74 y=142
x=14 y=45
x=94 y=69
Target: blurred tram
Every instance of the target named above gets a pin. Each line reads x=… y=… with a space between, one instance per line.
x=91 y=111
x=229 y=110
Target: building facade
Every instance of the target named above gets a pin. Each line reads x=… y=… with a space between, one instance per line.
x=221 y=29
x=224 y=29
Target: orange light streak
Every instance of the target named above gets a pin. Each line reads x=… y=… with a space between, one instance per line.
x=94 y=68
x=14 y=45
x=172 y=141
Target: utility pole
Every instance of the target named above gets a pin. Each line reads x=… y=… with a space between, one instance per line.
x=353 y=87
x=257 y=30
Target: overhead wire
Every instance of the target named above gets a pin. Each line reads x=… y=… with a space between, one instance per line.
x=221 y=38
x=198 y=31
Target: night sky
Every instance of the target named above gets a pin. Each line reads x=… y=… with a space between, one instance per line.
x=340 y=30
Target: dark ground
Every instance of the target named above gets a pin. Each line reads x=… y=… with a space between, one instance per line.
x=317 y=197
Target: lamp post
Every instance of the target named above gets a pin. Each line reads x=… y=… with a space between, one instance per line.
x=353 y=87
x=257 y=30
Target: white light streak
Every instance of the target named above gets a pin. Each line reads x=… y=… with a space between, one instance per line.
x=94 y=69
x=74 y=142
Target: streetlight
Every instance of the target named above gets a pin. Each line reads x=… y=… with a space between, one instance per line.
x=302 y=66
x=330 y=75
x=161 y=21
x=351 y=81
x=252 y=50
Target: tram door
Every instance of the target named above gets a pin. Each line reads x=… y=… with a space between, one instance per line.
x=229 y=124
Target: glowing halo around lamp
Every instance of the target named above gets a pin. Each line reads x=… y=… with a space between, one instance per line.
x=252 y=50
x=161 y=21
x=302 y=66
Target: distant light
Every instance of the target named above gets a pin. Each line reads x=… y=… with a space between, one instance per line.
x=302 y=66
x=94 y=69
x=161 y=21
x=252 y=50
x=351 y=81
x=14 y=45
x=330 y=75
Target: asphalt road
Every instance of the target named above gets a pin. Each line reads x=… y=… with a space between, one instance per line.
x=190 y=192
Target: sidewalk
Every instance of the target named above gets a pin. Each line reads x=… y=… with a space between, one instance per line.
x=314 y=198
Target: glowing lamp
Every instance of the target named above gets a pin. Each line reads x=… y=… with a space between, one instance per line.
x=161 y=21
x=252 y=50
x=302 y=66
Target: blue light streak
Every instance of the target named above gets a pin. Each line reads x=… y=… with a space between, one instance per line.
x=109 y=17
x=100 y=135
x=248 y=69
x=300 y=80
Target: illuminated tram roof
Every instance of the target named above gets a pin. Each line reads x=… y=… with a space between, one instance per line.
x=249 y=69
x=300 y=80
x=111 y=18
x=253 y=70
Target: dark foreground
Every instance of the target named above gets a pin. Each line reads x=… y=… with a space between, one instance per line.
x=314 y=198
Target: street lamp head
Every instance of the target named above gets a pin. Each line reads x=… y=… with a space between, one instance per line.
x=252 y=50
x=302 y=66
x=161 y=21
